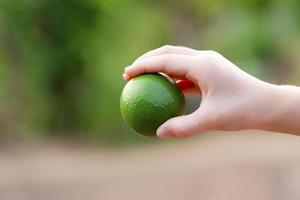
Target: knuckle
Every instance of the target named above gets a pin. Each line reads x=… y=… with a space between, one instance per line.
x=166 y=48
x=209 y=59
x=212 y=53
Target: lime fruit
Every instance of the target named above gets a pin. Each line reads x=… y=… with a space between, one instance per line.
x=148 y=100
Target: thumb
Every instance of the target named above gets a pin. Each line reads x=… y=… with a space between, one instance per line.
x=182 y=126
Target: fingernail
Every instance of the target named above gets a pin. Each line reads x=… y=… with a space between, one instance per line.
x=126 y=68
x=162 y=133
x=126 y=77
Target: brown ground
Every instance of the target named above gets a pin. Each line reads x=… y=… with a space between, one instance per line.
x=233 y=166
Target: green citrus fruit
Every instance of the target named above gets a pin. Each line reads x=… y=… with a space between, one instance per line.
x=148 y=100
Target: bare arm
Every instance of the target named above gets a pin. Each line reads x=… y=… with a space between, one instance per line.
x=283 y=110
x=231 y=98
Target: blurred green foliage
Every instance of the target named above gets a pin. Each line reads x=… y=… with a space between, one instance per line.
x=61 y=60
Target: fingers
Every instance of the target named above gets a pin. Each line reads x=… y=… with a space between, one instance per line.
x=179 y=65
x=182 y=126
x=168 y=49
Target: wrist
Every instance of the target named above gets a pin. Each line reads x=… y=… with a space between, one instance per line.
x=278 y=110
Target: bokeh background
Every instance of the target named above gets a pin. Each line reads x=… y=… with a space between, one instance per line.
x=61 y=63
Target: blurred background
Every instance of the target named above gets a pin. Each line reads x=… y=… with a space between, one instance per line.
x=60 y=81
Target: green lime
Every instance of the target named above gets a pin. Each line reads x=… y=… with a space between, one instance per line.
x=148 y=100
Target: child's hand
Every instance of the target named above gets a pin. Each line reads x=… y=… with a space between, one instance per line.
x=231 y=98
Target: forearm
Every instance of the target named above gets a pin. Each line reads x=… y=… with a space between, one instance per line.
x=280 y=110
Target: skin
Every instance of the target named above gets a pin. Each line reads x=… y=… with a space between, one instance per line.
x=231 y=99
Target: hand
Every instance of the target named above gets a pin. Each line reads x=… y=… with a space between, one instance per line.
x=231 y=98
